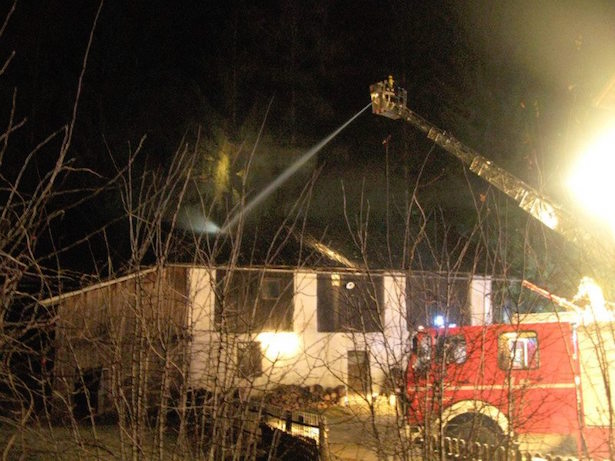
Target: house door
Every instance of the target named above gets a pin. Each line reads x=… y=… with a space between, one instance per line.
x=86 y=393
x=358 y=371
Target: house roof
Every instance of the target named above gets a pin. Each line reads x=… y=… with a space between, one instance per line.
x=96 y=286
x=349 y=270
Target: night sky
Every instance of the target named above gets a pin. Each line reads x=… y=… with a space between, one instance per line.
x=514 y=80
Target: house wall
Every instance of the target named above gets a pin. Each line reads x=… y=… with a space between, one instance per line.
x=480 y=308
x=207 y=359
x=304 y=356
x=127 y=333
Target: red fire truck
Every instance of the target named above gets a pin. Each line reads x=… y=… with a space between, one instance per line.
x=547 y=383
x=544 y=385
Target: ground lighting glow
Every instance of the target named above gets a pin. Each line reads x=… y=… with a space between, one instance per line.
x=592 y=179
x=278 y=345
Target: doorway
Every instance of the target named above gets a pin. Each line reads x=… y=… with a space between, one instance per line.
x=358 y=371
x=85 y=395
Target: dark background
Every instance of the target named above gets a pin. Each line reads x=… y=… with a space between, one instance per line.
x=514 y=80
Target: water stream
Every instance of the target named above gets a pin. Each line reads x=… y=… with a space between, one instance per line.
x=283 y=177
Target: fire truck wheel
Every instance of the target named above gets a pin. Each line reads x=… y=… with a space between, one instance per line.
x=473 y=427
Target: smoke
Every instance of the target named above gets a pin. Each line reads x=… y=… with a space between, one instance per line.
x=193 y=219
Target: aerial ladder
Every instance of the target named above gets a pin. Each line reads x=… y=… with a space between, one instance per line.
x=390 y=100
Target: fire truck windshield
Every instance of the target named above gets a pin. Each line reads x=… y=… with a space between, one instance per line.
x=451 y=349
x=448 y=349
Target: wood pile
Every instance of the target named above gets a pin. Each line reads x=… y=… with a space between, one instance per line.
x=294 y=397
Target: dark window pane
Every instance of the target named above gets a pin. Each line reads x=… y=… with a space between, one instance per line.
x=431 y=295
x=349 y=302
x=271 y=288
x=252 y=301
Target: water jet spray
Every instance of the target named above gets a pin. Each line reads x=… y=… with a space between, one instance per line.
x=283 y=177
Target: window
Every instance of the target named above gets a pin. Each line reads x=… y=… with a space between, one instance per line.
x=349 y=302
x=431 y=295
x=452 y=349
x=271 y=288
x=421 y=348
x=518 y=350
x=252 y=301
x=249 y=359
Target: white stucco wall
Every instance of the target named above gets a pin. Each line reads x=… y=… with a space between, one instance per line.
x=481 y=310
x=322 y=358
x=208 y=361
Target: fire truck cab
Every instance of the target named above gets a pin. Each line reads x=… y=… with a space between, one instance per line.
x=542 y=384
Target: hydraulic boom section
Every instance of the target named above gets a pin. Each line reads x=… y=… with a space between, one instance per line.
x=389 y=100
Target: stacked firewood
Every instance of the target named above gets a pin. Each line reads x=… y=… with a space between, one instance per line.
x=293 y=397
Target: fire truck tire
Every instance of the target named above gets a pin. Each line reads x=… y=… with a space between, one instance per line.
x=474 y=427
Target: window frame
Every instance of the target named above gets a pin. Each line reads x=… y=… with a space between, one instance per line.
x=513 y=357
x=350 y=302
x=243 y=307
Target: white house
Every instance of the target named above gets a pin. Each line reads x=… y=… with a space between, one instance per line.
x=208 y=328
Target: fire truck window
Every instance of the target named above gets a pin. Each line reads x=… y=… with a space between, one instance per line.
x=518 y=350
x=424 y=348
x=421 y=347
x=452 y=349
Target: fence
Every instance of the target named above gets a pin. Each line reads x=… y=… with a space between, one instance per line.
x=298 y=423
x=295 y=434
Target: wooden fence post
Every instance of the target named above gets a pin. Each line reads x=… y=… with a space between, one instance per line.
x=323 y=439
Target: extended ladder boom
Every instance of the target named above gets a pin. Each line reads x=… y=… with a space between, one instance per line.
x=389 y=100
x=551 y=297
